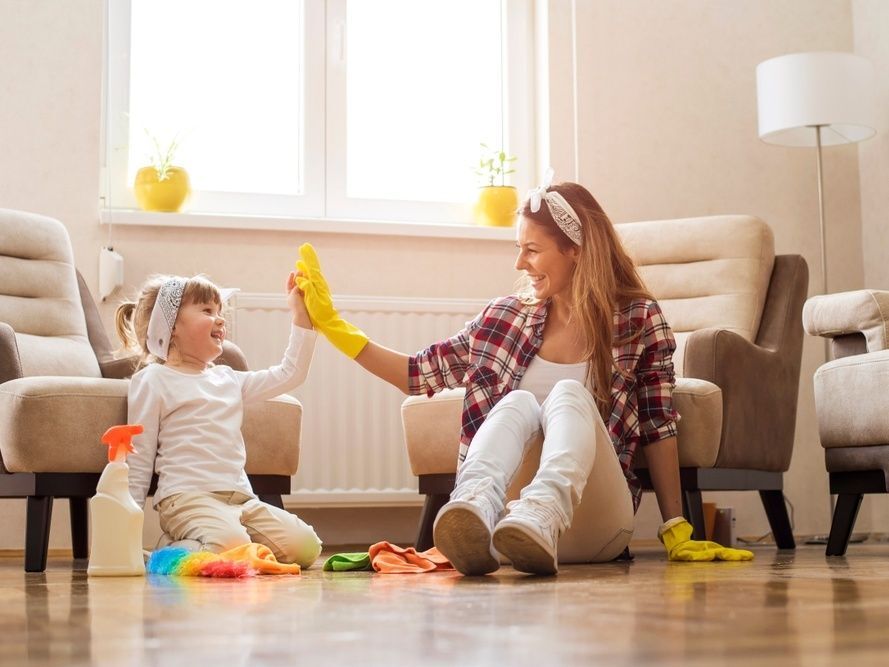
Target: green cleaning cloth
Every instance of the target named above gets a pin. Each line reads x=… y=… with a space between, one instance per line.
x=357 y=560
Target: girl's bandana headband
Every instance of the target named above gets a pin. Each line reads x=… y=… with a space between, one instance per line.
x=561 y=211
x=165 y=311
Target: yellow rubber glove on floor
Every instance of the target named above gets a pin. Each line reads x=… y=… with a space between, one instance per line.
x=345 y=337
x=676 y=538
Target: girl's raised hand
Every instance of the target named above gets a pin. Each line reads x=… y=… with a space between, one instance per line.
x=296 y=303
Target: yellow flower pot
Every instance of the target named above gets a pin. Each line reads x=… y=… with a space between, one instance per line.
x=496 y=206
x=167 y=195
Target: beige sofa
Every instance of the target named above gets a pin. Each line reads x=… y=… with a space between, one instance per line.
x=851 y=400
x=61 y=387
x=735 y=310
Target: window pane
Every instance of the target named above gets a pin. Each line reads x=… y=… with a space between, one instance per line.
x=224 y=76
x=423 y=89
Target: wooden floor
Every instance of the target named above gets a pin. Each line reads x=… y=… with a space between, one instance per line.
x=784 y=608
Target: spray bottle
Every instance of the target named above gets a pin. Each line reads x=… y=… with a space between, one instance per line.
x=116 y=520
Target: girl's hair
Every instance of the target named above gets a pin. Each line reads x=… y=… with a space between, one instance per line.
x=131 y=319
x=604 y=280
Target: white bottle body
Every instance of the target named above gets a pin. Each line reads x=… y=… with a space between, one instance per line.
x=115 y=526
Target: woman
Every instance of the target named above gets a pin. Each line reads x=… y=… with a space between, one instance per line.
x=581 y=356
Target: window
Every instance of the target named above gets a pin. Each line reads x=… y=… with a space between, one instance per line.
x=320 y=108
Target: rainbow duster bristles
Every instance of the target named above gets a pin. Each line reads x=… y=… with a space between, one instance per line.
x=180 y=562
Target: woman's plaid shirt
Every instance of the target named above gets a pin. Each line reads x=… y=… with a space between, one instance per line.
x=490 y=355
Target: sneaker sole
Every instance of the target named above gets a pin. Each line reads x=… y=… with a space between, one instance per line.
x=524 y=550
x=465 y=540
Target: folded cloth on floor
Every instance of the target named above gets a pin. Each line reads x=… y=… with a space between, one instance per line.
x=354 y=560
x=389 y=558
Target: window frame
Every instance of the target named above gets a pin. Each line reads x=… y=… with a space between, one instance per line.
x=323 y=165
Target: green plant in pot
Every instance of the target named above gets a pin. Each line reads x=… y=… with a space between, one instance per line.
x=162 y=186
x=497 y=202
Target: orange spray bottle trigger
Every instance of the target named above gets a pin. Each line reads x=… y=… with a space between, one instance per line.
x=118 y=439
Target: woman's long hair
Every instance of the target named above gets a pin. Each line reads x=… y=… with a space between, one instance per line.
x=131 y=318
x=604 y=280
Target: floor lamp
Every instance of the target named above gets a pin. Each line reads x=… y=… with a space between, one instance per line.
x=816 y=99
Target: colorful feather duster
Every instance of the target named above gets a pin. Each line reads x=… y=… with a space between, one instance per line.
x=243 y=561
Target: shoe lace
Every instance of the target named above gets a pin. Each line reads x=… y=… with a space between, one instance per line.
x=545 y=514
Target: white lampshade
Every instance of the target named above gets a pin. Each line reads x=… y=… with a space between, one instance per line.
x=801 y=90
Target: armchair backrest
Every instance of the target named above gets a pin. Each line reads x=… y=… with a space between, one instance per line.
x=40 y=299
x=709 y=272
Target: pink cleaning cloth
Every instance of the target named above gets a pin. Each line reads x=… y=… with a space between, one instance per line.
x=389 y=558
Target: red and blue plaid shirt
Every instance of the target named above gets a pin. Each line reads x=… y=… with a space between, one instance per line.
x=490 y=356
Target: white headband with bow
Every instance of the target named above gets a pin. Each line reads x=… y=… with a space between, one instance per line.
x=561 y=211
x=166 y=310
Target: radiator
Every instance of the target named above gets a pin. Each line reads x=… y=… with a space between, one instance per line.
x=352 y=448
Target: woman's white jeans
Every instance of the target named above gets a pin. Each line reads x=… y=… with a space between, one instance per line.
x=559 y=452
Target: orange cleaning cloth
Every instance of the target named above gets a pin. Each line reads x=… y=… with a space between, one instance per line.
x=260 y=558
x=390 y=558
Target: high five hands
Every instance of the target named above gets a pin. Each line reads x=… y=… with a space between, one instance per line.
x=345 y=337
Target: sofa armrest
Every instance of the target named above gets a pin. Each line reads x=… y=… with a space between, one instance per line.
x=232 y=356
x=759 y=393
x=432 y=431
x=10 y=363
x=864 y=312
x=121 y=368
x=271 y=432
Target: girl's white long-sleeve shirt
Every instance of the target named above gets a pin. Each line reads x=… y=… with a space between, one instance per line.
x=192 y=421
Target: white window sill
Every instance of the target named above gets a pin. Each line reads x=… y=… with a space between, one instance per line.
x=331 y=226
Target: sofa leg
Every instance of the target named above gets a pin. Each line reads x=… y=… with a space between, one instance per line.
x=844 y=516
x=79 y=527
x=434 y=502
x=693 y=507
x=779 y=522
x=39 y=515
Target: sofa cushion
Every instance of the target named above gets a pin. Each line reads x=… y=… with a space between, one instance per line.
x=40 y=298
x=851 y=400
x=705 y=272
x=432 y=427
x=55 y=424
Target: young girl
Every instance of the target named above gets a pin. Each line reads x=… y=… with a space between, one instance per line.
x=192 y=410
x=580 y=358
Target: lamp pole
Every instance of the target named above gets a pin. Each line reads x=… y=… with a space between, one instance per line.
x=821 y=209
x=817 y=129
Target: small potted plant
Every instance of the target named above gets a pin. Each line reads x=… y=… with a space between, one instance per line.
x=161 y=186
x=497 y=203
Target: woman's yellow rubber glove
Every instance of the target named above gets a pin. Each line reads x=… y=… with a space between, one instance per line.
x=676 y=538
x=345 y=337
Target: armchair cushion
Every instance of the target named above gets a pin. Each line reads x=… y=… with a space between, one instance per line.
x=862 y=311
x=705 y=272
x=40 y=298
x=850 y=394
x=71 y=440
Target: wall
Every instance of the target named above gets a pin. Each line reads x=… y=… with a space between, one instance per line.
x=871 y=20
x=667 y=128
